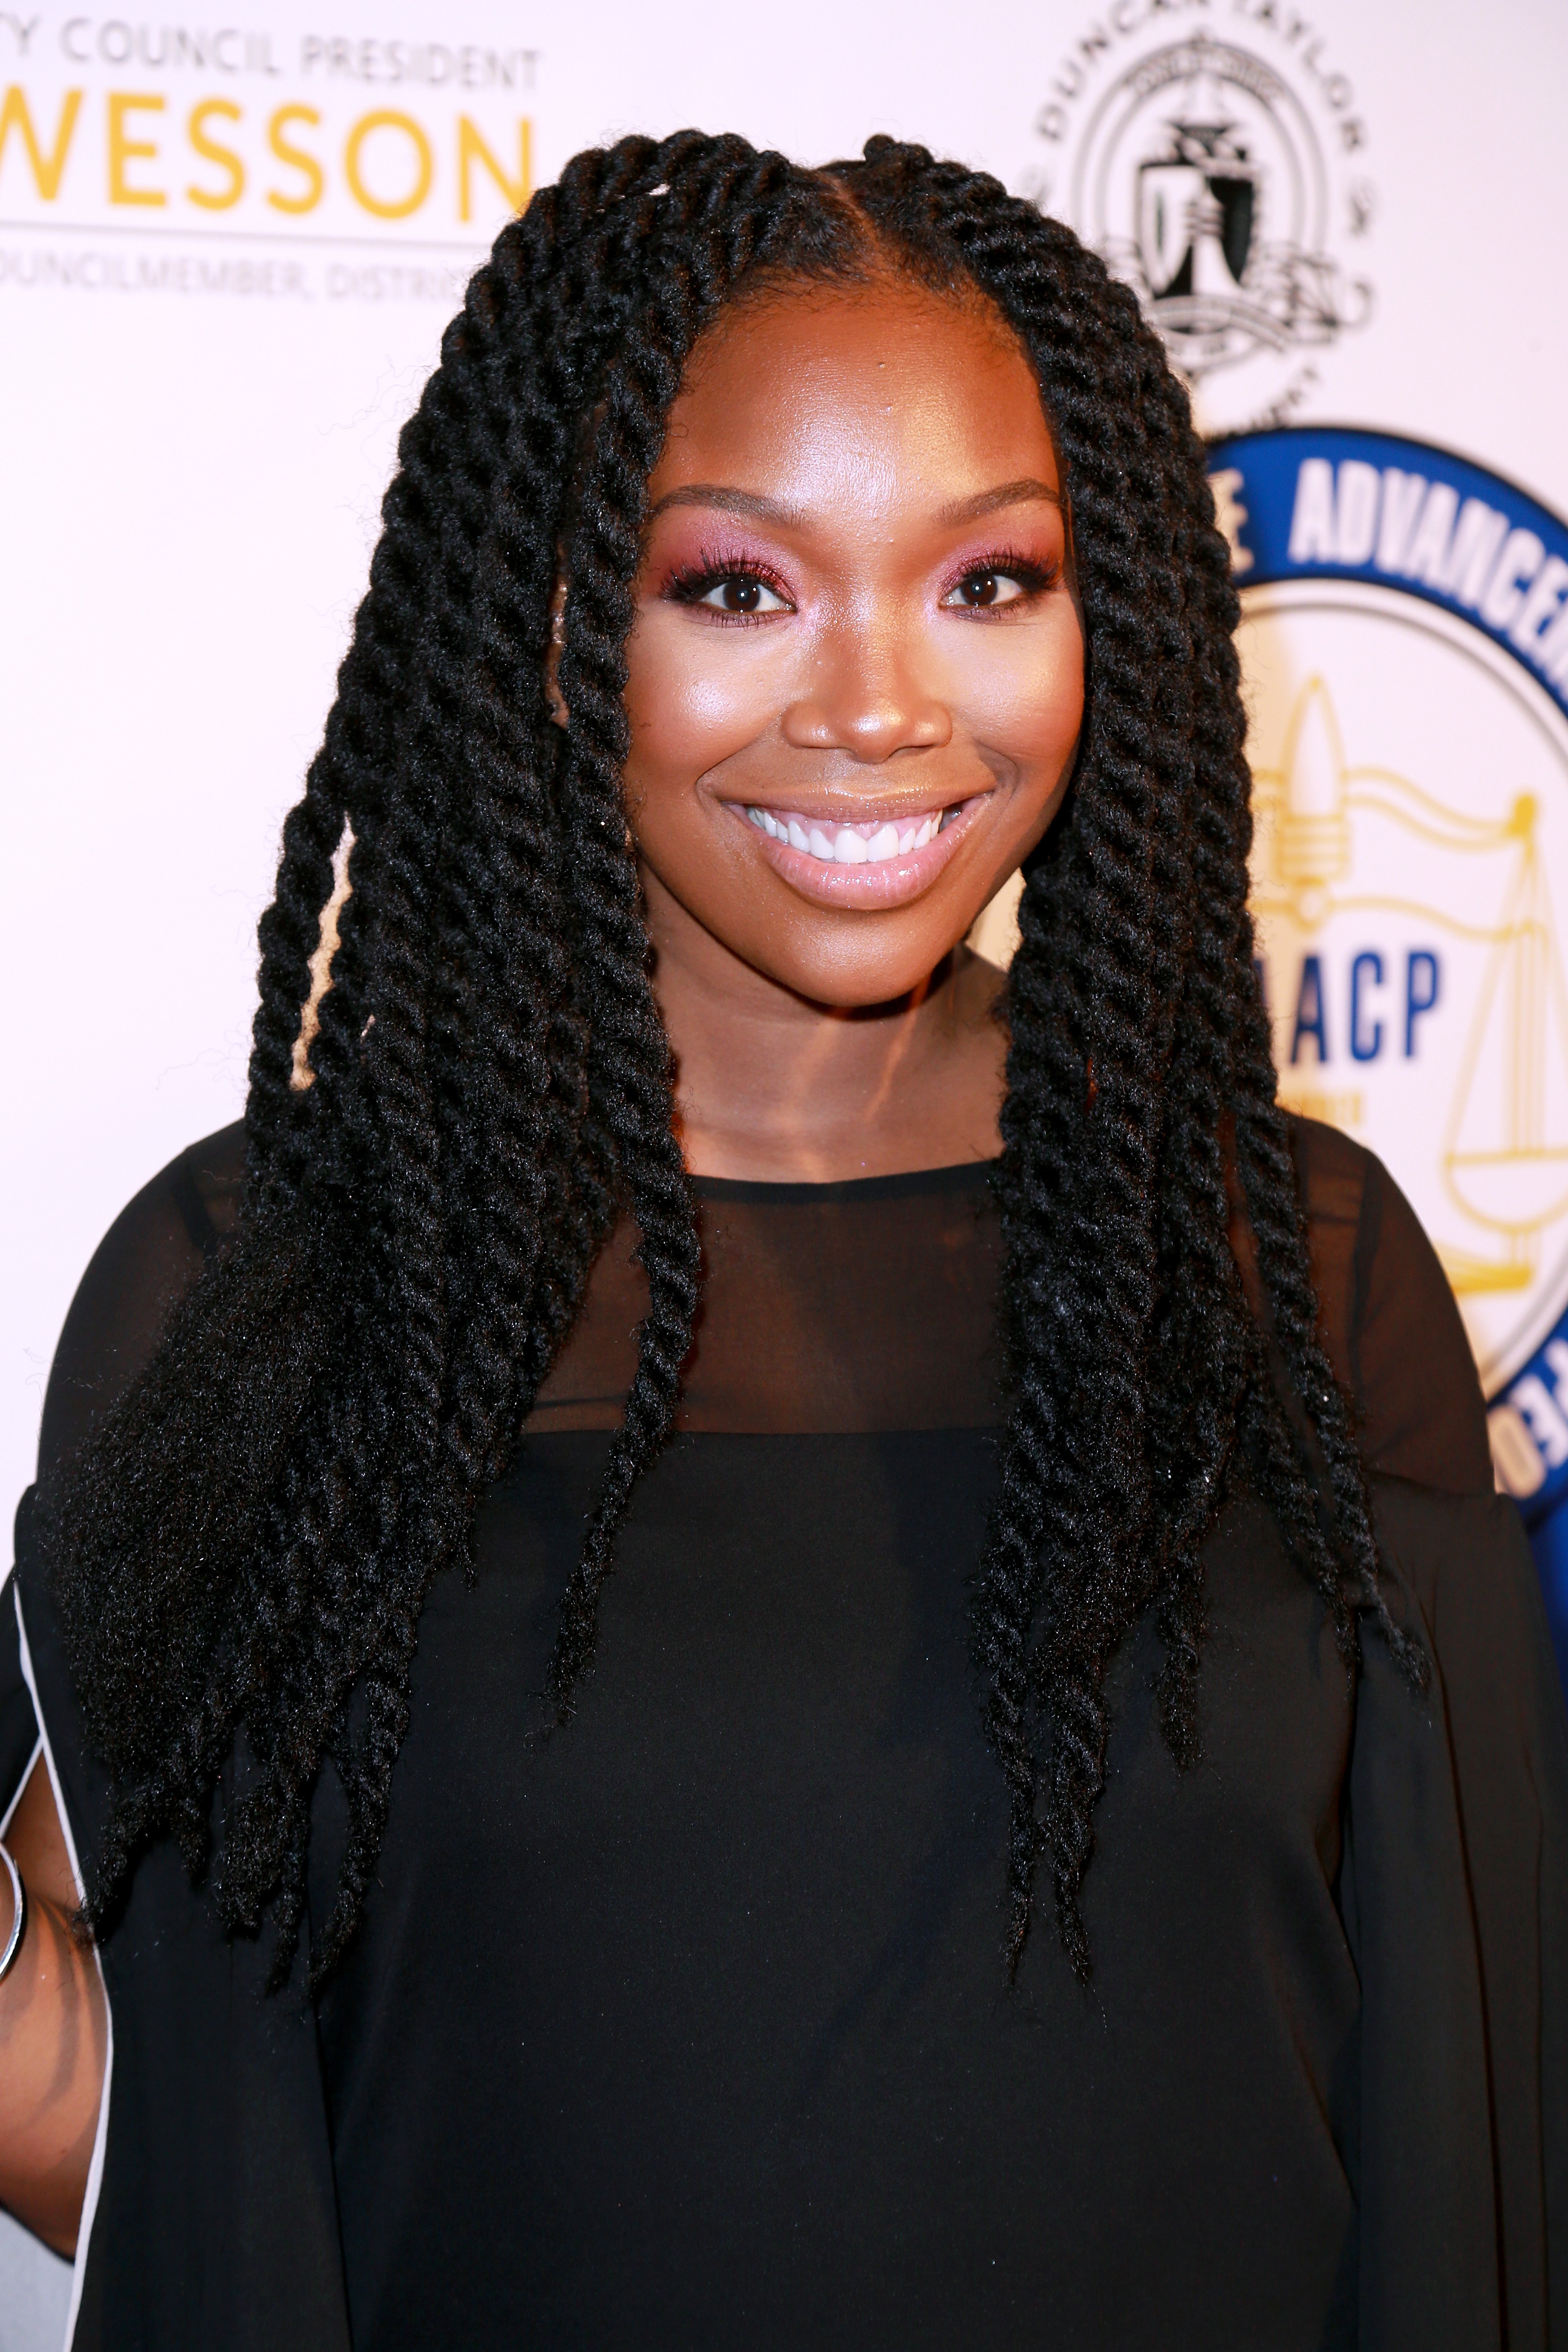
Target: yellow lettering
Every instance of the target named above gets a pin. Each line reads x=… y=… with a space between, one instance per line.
x=297 y=159
x=211 y=152
x=123 y=150
x=388 y=118
x=472 y=150
x=46 y=169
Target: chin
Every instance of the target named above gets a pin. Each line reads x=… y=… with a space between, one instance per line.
x=860 y=976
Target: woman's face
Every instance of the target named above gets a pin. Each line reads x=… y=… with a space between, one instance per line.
x=857 y=667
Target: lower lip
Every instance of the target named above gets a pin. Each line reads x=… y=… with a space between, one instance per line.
x=884 y=882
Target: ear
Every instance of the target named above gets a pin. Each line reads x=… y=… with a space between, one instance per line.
x=552 y=702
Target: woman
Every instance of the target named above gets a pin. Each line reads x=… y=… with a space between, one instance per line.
x=1037 y=1478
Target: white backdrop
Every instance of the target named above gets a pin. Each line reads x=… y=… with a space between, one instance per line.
x=198 y=404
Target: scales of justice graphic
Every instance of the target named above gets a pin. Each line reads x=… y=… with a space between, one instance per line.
x=1503 y=1149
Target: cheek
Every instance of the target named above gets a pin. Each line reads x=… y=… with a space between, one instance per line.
x=1021 y=690
x=694 y=697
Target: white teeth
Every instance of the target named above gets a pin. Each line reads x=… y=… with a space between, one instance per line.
x=850 y=844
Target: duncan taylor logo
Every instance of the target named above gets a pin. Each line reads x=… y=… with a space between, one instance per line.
x=1404 y=640
x=1222 y=179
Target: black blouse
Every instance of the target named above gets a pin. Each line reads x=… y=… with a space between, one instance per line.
x=688 y=2027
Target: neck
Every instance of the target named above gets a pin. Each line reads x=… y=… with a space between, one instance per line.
x=775 y=1088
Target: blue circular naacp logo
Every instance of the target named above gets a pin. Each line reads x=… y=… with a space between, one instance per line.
x=1405 y=647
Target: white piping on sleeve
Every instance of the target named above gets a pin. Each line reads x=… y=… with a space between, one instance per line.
x=101 y=2138
x=21 y=1785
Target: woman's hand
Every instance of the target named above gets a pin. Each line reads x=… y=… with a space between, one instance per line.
x=54 y=2031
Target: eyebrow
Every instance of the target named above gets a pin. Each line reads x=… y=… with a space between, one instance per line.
x=1023 y=493
x=734 y=501
x=764 y=510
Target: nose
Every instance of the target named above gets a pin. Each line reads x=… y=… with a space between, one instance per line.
x=866 y=696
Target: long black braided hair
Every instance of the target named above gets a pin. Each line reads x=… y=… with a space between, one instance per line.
x=242 y=1552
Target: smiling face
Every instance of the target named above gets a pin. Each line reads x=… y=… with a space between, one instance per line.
x=856 y=674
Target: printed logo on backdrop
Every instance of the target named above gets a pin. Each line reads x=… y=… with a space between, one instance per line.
x=1221 y=175
x=148 y=158
x=1405 y=642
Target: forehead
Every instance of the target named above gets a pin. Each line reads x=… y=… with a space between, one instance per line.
x=885 y=389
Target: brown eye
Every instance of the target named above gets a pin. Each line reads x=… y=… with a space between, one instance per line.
x=977 y=592
x=740 y=591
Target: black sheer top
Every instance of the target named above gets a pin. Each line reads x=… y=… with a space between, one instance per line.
x=688 y=2027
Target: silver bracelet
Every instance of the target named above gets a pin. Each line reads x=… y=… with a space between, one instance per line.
x=20 y=1922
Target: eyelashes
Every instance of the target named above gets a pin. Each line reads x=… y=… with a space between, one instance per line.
x=1032 y=576
x=693 y=584
x=755 y=589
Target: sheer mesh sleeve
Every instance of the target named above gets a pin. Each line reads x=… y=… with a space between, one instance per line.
x=1389 y=1321
x=151 y=1253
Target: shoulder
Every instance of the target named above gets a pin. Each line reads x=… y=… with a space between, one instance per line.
x=1389 y=1318
x=150 y=1256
